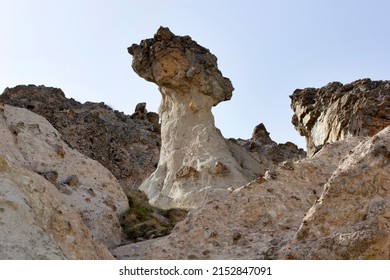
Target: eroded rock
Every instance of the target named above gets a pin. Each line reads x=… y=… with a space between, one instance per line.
x=54 y=188
x=253 y=221
x=351 y=218
x=126 y=145
x=190 y=83
x=336 y=111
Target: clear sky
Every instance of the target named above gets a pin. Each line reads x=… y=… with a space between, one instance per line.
x=266 y=48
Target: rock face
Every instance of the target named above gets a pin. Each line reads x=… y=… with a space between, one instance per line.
x=260 y=153
x=126 y=145
x=351 y=219
x=54 y=201
x=195 y=159
x=332 y=205
x=336 y=111
x=252 y=222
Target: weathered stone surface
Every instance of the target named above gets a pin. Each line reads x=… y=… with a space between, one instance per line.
x=332 y=205
x=190 y=82
x=338 y=111
x=128 y=146
x=180 y=64
x=351 y=218
x=71 y=199
x=251 y=222
x=266 y=153
x=36 y=223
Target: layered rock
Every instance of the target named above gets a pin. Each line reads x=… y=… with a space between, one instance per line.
x=195 y=159
x=54 y=201
x=336 y=111
x=126 y=145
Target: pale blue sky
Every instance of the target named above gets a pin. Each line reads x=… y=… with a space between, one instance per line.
x=267 y=49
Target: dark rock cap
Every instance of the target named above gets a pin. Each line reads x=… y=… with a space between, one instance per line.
x=179 y=63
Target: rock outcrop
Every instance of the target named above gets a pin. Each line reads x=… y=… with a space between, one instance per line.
x=253 y=221
x=332 y=205
x=195 y=159
x=336 y=111
x=351 y=219
x=260 y=153
x=128 y=146
x=54 y=201
x=250 y=199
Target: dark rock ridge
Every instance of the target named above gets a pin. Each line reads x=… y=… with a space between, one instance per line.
x=336 y=111
x=128 y=146
x=263 y=149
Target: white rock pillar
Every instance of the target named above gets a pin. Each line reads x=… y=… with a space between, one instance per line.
x=195 y=161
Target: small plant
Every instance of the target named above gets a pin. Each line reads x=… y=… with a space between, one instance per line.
x=141 y=222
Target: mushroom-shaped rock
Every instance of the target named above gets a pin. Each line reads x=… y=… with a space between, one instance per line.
x=180 y=64
x=190 y=83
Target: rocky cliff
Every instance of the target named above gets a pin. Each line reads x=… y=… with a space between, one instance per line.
x=336 y=111
x=54 y=201
x=126 y=145
x=332 y=205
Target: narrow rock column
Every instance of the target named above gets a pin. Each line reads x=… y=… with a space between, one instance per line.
x=195 y=160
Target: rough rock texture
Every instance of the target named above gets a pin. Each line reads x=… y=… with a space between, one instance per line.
x=71 y=203
x=332 y=205
x=351 y=220
x=195 y=160
x=126 y=145
x=336 y=111
x=260 y=153
x=37 y=224
x=253 y=221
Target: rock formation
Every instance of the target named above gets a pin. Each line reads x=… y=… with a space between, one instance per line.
x=336 y=111
x=195 y=159
x=54 y=201
x=251 y=199
x=351 y=219
x=260 y=153
x=332 y=205
x=128 y=146
x=253 y=221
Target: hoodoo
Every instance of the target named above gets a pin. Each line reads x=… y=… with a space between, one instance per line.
x=195 y=159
